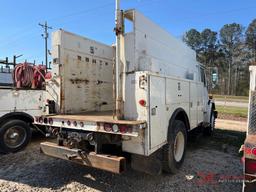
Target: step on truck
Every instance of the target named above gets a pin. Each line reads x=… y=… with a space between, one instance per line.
x=134 y=101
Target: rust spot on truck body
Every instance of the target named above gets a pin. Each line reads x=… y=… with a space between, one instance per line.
x=77 y=81
x=86 y=81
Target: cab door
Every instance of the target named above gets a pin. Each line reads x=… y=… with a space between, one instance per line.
x=201 y=103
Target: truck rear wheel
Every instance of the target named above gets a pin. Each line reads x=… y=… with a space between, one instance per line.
x=14 y=136
x=174 y=150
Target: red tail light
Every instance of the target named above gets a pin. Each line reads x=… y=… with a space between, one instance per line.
x=142 y=102
x=50 y=121
x=123 y=128
x=249 y=151
x=45 y=120
x=118 y=128
x=254 y=151
x=40 y=119
x=250 y=166
x=107 y=127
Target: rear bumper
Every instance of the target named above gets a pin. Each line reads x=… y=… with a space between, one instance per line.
x=105 y=162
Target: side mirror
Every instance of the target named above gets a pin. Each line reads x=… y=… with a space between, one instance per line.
x=214 y=76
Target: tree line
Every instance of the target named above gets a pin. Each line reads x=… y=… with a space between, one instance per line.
x=227 y=54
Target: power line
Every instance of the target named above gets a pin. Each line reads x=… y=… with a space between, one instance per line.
x=80 y=12
x=53 y=19
x=12 y=41
x=28 y=27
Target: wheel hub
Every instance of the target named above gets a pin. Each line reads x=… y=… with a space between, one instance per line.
x=14 y=137
x=179 y=146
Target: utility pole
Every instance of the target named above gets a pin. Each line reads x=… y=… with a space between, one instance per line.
x=45 y=36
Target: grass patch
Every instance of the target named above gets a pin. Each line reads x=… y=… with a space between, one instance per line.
x=231 y=97
x=220 y=140
x=235 y=111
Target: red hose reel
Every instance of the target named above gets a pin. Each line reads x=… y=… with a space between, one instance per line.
x=26 y=75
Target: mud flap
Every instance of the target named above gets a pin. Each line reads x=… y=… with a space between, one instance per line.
x=148 y=164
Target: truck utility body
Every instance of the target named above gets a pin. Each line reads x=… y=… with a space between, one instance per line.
x=18 y=107
x=143 y=102
x=22 y=96
x=18 y=100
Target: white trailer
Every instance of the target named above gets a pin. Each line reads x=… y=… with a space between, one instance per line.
x=144 y=104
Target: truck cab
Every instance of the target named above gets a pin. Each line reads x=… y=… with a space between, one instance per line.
x=142 y=97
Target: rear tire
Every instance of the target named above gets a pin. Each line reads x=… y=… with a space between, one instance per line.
x=174 y=151
x=14 y=136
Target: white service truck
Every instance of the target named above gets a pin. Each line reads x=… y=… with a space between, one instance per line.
x=18 y=106
x=141 y=96
x=17 y=109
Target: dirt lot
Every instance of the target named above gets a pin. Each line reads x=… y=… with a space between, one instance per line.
x=209 y=166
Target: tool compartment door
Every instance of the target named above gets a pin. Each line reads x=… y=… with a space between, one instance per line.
x=158 y=124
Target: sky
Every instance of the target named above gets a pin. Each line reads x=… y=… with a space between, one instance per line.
x=21 y=34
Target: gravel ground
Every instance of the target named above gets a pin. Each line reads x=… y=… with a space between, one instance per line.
x=208 y=161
